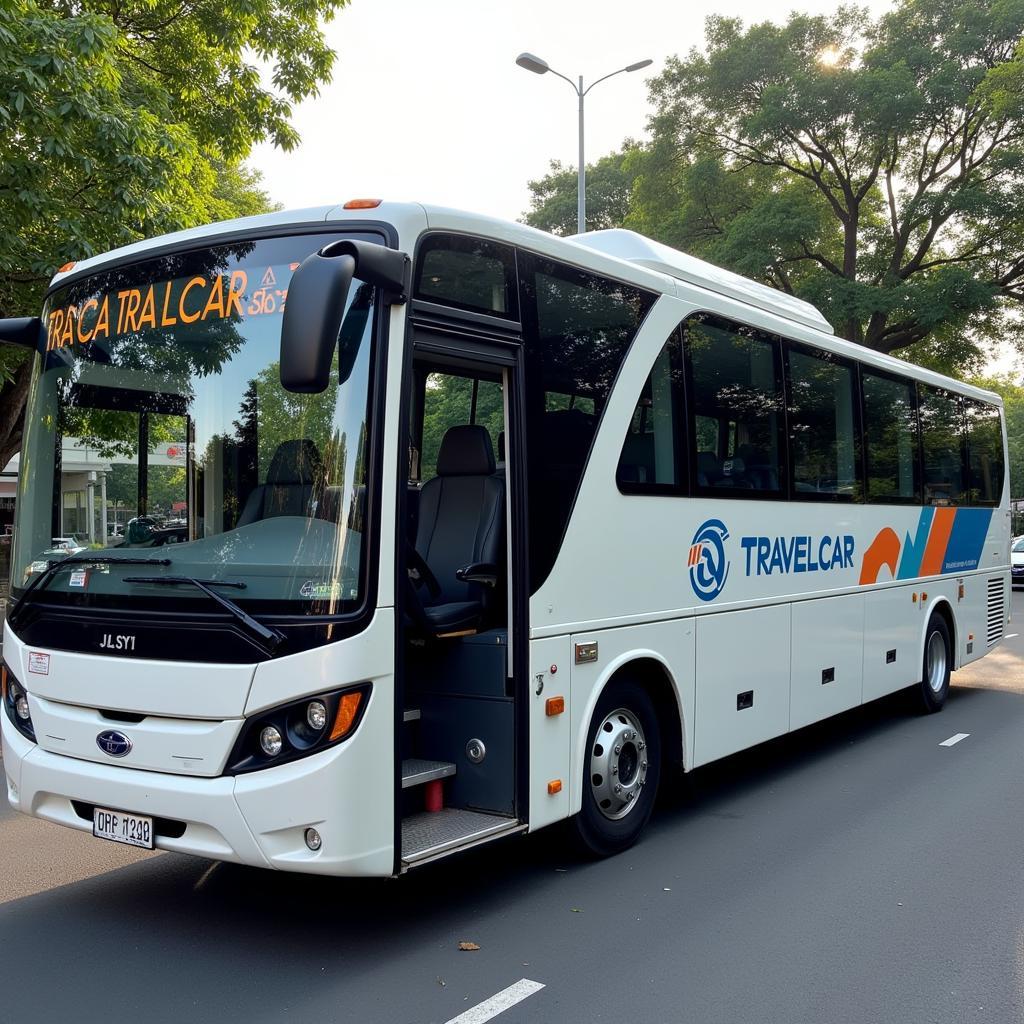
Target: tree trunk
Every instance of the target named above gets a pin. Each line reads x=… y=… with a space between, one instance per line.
x=13 y=395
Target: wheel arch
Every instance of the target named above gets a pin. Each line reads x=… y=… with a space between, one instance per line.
x=941 y=605
x=652 y=671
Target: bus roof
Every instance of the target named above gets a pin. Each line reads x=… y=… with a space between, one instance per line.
x=618 y=252
x=638 y=249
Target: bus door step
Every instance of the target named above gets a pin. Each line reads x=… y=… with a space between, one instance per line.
x=416 y=771
x=427 y=836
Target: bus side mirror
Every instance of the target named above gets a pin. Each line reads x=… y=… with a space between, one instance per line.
x=23 y=331
x=312 y=319
x=315 y=308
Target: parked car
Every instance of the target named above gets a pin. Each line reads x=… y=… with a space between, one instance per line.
x=1017 y=561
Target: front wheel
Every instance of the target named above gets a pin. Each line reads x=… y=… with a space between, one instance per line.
x=936 y=665
x=621 y=770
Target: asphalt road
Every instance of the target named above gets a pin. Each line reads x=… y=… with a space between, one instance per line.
x=856 y=871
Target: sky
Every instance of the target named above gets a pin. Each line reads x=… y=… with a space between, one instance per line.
x=427 y=103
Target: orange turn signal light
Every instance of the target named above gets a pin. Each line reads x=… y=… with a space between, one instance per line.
x=362 y=204
x=3 y=682
x=67 y=267
x=348 y=709
x=554 y=706
x=554 y=786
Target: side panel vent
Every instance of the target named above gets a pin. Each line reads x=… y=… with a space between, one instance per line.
x=996 y=611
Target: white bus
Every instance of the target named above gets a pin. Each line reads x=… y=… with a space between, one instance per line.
x=476 y=529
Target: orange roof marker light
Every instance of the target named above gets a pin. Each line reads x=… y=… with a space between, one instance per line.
x=67 y=268
x=362 y=204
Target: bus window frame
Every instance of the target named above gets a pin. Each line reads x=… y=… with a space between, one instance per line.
x=918 y=497
x=859 y=495
x=697 y=490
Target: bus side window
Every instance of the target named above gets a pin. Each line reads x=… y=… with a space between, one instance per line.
x=985 y=452
x=822 y=426
x=942 y=446
x=650 y=462
x=890 y=431
x=735 y=376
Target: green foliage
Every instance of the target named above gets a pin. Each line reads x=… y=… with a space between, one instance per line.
x=609 y=183
x=1012 y=393
x=120 y=121
x=874 y=167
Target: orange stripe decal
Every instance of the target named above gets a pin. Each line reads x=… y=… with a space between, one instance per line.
x=884 y=550
x=938 y=541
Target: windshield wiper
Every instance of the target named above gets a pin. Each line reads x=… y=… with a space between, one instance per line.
x=271 y=638
x=54 y=565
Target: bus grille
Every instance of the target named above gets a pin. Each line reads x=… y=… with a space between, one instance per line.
x=996 y=610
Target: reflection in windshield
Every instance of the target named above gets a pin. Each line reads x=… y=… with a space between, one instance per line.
x=157 y=419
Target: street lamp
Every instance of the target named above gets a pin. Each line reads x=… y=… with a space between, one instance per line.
x=541 y=67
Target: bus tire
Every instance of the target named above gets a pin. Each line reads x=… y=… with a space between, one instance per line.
x=621 y=770
x=935 y=665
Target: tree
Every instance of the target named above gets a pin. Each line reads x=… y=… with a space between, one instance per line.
x=609 y=183
x=125 y=120
x=874 y=167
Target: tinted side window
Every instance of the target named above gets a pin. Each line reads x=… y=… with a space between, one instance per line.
x=736 y=381
x=651 y=457
x=890 y=432
x=577 y=329
x=822 y=434
x=468 y=273
x=942 y=446
x=985 y=452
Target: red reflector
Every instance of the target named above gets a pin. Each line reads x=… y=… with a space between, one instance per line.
x=362 y=204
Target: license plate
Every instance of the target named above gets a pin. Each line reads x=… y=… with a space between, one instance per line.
x=118 y=827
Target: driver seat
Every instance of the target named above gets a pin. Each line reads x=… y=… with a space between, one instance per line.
x=462 y=524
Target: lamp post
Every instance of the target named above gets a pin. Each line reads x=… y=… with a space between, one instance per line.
x=541 y=67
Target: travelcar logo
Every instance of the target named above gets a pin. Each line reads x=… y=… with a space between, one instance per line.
x=708 y=564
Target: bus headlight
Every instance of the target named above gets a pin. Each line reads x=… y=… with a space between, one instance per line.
x=15 y=700
x=298 y=728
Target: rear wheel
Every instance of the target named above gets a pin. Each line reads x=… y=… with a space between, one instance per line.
x=936 y=665
x=620 y=771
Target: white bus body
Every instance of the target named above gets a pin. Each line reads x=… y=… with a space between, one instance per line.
x=745 y=599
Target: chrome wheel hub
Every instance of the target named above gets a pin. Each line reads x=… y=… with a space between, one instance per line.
x=936 y=661
x=618 y=764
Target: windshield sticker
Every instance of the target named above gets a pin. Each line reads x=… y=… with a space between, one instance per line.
x=79 y=579
x=320 y=591
x=39 y=663
x=163 y=304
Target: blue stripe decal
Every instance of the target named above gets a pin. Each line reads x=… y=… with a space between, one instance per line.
x=970 y=527
x=913 y=550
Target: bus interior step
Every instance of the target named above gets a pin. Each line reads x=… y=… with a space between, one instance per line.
x=429 y=835
x=416 y=771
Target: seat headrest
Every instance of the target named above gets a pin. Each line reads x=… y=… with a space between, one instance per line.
x=707 y=462
x=295 y=462
x=466 y=451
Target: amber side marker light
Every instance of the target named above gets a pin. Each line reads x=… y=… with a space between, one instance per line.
x=67 y=268
x=348 y=708
x=362 y=204
x=554 y=786
x=554 y=706
x=3 y=683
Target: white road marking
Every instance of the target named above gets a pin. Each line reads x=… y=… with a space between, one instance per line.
x=498 y=1003
x=953 y=740
x=1010 y=636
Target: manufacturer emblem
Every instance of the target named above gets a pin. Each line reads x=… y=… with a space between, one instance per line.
x=114 y=743
x=708 y=564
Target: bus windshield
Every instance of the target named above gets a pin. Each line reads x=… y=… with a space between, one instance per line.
x=157 y=420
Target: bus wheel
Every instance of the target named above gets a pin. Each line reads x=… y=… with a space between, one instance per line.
x=934 y=687
x=621 y=769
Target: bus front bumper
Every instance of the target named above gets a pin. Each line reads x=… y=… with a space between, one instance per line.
x=259 y=819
